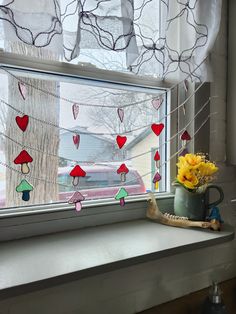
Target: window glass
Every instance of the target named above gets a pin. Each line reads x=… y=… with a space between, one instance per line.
x=94 y=180
x=74 y=122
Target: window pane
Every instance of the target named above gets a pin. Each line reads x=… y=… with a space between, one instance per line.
x=75 y=122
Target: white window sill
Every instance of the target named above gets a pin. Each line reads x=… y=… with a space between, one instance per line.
x=43 y=261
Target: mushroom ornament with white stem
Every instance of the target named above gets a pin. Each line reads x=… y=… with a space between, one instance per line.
x=184 y=138
x=76 y=173
x=122 y=170
x=23 y=158
x=76 y=199
x=157 y=159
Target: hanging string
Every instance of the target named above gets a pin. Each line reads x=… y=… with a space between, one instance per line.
x=91 y=105
x=179 y=151
x=81 y=103
x=32 y=177
x=129 y=181
x=102 y=133
x=178 y=133
x=127 y=159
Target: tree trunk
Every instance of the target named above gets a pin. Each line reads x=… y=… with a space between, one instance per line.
x=38 y=135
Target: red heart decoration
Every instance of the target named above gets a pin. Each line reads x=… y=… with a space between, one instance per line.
x=121 y=140
x=185 y=136
x=76 y=140
x=157 y=128
x=22 y=122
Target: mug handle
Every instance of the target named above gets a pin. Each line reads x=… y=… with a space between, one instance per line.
x=221 y=194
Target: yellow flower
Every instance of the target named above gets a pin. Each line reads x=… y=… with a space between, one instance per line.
x=182 y=162
x=193 y=160
x=207 y=169
x=187 y=178
x=195 y=170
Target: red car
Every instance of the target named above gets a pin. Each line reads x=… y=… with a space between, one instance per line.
x=99 y=182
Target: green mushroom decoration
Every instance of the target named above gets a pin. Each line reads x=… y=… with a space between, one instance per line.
x=25 y=188
x=120 y=196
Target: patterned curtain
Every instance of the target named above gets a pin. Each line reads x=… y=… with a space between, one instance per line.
x=160 y=38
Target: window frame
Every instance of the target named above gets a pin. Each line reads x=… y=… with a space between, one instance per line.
x=44 y=219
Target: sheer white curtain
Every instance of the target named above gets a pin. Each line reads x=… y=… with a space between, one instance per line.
x=161 y=38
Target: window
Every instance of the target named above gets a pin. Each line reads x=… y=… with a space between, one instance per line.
x=58 y=138
x=60 y=55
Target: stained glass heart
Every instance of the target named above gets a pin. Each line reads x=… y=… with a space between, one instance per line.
x=156 y=102
x=157 y=128
x=22 y=122
x=121 y=140
x=75 y=110
x=22 y=89
x=76 y=140
x=120 y=112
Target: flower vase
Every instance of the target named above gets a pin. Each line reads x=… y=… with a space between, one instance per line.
x=194 y=204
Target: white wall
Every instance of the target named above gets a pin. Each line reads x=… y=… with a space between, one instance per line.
x=136 y=288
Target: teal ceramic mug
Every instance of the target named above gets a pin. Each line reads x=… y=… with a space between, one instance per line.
x=195 y=205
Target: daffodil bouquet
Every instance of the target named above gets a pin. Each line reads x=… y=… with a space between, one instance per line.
x=195 y=171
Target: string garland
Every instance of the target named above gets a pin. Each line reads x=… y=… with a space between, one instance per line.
x=25 y=187
x=179 y=151
x=152 y=47
x=102 y=133
x=128 y=158
x=72 y=102
x=176 y=134
x=129 y=181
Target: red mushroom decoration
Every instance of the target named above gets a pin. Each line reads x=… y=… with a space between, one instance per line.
x=23 y=158
x=77 y=172
x=123 y=170
x=185 y=137
x=157 y=159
